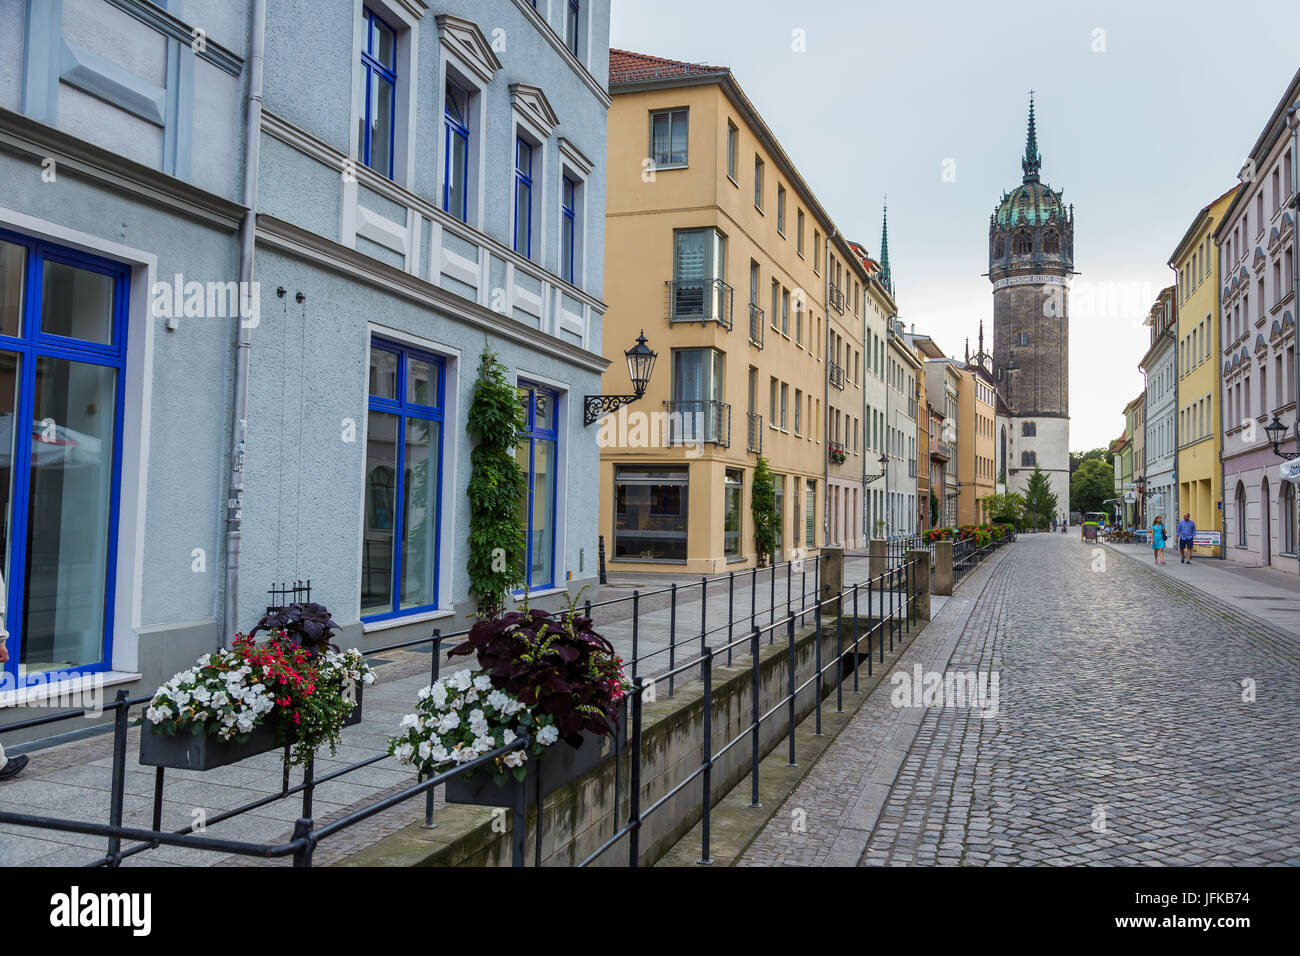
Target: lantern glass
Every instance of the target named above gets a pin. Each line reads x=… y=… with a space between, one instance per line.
x=1275 y=428
x=640 y=364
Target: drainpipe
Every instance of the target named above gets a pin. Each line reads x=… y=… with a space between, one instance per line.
x=1293 y=120
x=826 y=397
x=244 y=333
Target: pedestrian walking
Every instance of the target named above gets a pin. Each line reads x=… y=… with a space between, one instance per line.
x=1158 y=540
x=1186 y=539
x=9 y=766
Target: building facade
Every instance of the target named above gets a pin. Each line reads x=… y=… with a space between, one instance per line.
x=1257 y=301
x=1159 y=367
x=902 y=412
x=718 y=249
x=977 y=412
x=1199 y=416
x=879 y=306
x=1135 y=420
x=942 y=384
x=263 y=279
x=1031 y=261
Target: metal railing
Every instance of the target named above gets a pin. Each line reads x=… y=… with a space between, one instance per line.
x=755 y=443
x=890 y=601
x=705 y=421
x=967 y=554
x=896 y=549
x=698 y=300
x=757 y=319
x=836 y=375
x=836 y=296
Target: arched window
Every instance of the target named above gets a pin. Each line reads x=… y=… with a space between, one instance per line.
x=1023 y=243
x=1000 y=247
x=1241 y=515
x=1287 y=518
x=1051 y=242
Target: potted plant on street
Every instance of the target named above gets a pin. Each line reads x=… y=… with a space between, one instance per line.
x=545 y=674
x=292 y=689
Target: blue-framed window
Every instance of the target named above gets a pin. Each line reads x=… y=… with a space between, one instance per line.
x=63 y=334
x=400 y=526
x=571 y=27
x=568 y=231
x=523 y=197
x=378 y=113
x=455 y=183
x=538 y=456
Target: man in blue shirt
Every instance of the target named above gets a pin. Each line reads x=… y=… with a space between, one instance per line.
x=1186 y=538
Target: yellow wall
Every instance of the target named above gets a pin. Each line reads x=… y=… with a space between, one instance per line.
x=975 y=428
x=1199 y=471
x=641 y=216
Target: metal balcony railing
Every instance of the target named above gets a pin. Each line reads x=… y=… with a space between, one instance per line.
x=755 y=444
x=836 y=452
x=837 y=298
x=756 y=320
x=698 y=300
x=706 y=421
x=836 y=374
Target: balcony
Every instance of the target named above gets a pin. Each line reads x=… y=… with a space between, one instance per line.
x=699 y=422
x=755 y=446
x=940 y=450
x=837 y=298
x=756 y=319
x=836 y=375
x=698 y=300
x=836 y=453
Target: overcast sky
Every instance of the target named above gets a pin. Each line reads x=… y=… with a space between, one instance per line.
x=1145 y=111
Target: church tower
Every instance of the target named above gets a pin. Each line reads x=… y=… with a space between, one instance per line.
x=1031 y=260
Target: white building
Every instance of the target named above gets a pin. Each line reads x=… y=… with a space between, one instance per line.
x=1161 y=372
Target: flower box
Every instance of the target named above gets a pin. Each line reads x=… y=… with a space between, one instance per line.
x=558 y=765
x=354 y=718
x=187 y=751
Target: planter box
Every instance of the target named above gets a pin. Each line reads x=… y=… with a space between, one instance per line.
x=203 y=752
x=559 y=764
x=206 y=752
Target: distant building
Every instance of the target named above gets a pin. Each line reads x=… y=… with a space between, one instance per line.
x=1160 y=369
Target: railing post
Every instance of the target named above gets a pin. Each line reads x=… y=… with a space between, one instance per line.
x=943 y=568
x=922 y=559
x=839 y=653
x=755 y=713
x=817 y=661
x=772 y=610
x=634 y=775
x=302 y=831
x=433 y=679
x=308 y=786
x=789 y=634
x=704 y=604
x=601 y=554
x=519 y=827
x=753 y=594
x=707 y=676
x=116 y=797
x=672 y=637
x=856 y=663
x=789 y=595
x=636 y=620
x=731 y=607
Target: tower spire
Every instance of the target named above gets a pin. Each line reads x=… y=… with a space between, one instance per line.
x=885 y=276
x=1032 y=159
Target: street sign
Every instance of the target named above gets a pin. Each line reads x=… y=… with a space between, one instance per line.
x=1208 y=539
x=1130 y=497
x=1289 y=470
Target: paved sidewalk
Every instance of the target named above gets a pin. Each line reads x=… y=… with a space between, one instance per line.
x=1266 y=593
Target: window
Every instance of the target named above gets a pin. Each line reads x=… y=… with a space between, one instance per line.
x=732 y=136
x=668 y=134
x=455 y=182
x=1051 y=243
x=538 y=460
x=1022 y=243
x=1287 y=518
x=785 y=311
x=780 y=209
x=785 y=394
x=523 y=197
x=798 y=236
x=571 y=27
x=568 y=231
x=1241 y=515
x=1028 y=429
x=817 y=252
x=810 y=512
x=758 y=182
x=650 y=514
x=1022 y=338
x=732 y=492
x=400 y=539
x=697 y=385
x=379 y=65
x=1028 y=459
x=62 y=360
x=771 y=405
x=699 y=274
x=798 y=411
x=778 y=487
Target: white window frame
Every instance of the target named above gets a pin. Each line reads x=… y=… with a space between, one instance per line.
x=574 y=165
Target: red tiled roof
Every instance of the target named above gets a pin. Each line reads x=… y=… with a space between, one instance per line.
x=628 y=67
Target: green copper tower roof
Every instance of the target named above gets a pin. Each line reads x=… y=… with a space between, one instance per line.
x=1033 y=160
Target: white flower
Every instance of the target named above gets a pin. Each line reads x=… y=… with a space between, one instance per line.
x=484 y=744
x=409 y=721
x=438 y=694
x=439 y=754
x=513 y=759
x=548 y=735
x=461 y=680
x=507 y=736
x=403 y=752
x=425 y=750
x=482 y=682
x=449 y=721
x=498 y=700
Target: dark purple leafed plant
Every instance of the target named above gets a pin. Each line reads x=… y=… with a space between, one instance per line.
x=308 y=625
x=555 y=664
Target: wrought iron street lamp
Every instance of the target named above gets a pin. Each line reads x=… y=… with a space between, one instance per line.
x=640 y=365
x=1276 y=432
x=884 y=464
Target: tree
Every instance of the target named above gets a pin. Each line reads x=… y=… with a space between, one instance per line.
x=496 y=487
x=762 y=505
x=1077 y=458
x=1004 y=509
x=1040 y=500
x=934 y=509
x=1091 y=485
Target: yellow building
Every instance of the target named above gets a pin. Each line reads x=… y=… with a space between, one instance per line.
x=1196 y=262
x=976 y=412
x=719 y=251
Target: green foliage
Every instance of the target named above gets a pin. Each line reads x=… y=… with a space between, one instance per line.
x=1005 y=509
x=496 y=487
x=1077 y=458
x=1090 y=485
x=1040 y=500
x=762 y=505
x=934 y=508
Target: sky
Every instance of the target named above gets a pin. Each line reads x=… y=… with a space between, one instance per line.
x=1145 y=111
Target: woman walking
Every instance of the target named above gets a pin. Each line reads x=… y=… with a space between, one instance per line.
x=1158 y=540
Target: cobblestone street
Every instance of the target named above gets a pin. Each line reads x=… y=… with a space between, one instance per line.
x=1121 y=735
